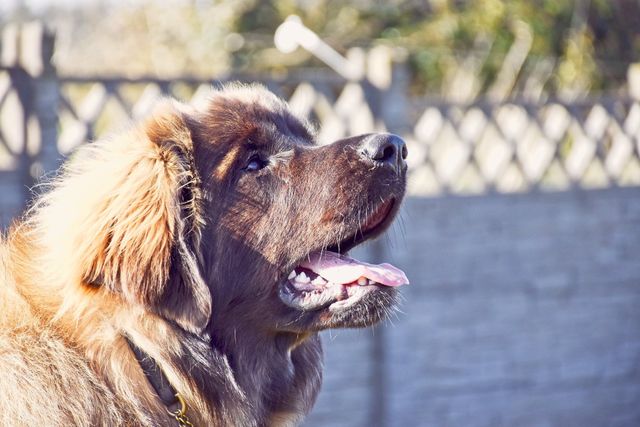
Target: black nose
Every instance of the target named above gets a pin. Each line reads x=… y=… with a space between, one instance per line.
x=386 y=149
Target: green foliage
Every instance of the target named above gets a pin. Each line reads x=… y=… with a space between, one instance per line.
x=577 y=36
x=589 y=43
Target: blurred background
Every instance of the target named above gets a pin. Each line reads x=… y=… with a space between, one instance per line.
x=521 y=232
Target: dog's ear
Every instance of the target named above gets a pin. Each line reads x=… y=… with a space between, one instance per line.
x=186 y=297
x=131 y=214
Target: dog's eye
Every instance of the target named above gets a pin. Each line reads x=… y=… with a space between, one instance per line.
x=255 y=163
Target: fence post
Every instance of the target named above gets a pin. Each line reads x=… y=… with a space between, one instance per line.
x=387 y=79
x=20 y=110
x=633 y=80
x=45 y=97
x=387 y=72
x=26 y=55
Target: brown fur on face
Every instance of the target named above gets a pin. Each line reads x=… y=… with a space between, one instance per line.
x=165 y=235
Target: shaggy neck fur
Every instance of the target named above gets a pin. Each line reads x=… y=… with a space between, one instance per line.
x=279 y=372
x=269 y=373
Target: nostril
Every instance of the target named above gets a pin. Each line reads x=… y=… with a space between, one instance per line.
x=388 y=152
x=405 y=153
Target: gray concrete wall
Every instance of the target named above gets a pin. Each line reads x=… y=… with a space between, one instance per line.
x=523 y=311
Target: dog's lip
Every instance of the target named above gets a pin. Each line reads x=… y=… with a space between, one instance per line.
x=374 y=225
x=378 y=217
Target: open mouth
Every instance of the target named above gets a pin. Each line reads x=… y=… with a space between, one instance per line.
x=329 y=279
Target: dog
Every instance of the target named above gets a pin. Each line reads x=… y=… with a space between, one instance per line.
x=178 y=272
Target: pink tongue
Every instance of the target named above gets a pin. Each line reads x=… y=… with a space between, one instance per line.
x=341 y=269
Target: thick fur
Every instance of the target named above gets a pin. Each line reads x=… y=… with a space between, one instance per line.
x=156 y=235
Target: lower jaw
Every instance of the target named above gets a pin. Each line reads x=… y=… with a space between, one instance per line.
x=366 y=306
x=336 y=297
x=367 y=311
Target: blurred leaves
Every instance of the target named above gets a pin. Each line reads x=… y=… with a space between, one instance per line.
x=587 y=44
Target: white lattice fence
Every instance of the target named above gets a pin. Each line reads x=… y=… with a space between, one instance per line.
x=93 y=108
x=337 y=115
x=474 y=148
x=90 y=109
x=477 y=148
x=516 y=147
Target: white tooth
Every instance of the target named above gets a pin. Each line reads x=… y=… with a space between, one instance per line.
x=319 y=281
x=302 y=278
x=362 y=281
x=292 y=275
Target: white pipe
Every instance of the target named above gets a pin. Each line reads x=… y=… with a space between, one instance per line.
x=292 y=33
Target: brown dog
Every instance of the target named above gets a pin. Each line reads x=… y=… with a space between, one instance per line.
x=196 y=254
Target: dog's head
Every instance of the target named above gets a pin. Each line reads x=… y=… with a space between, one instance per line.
x=232 y=213
x=282 y=212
